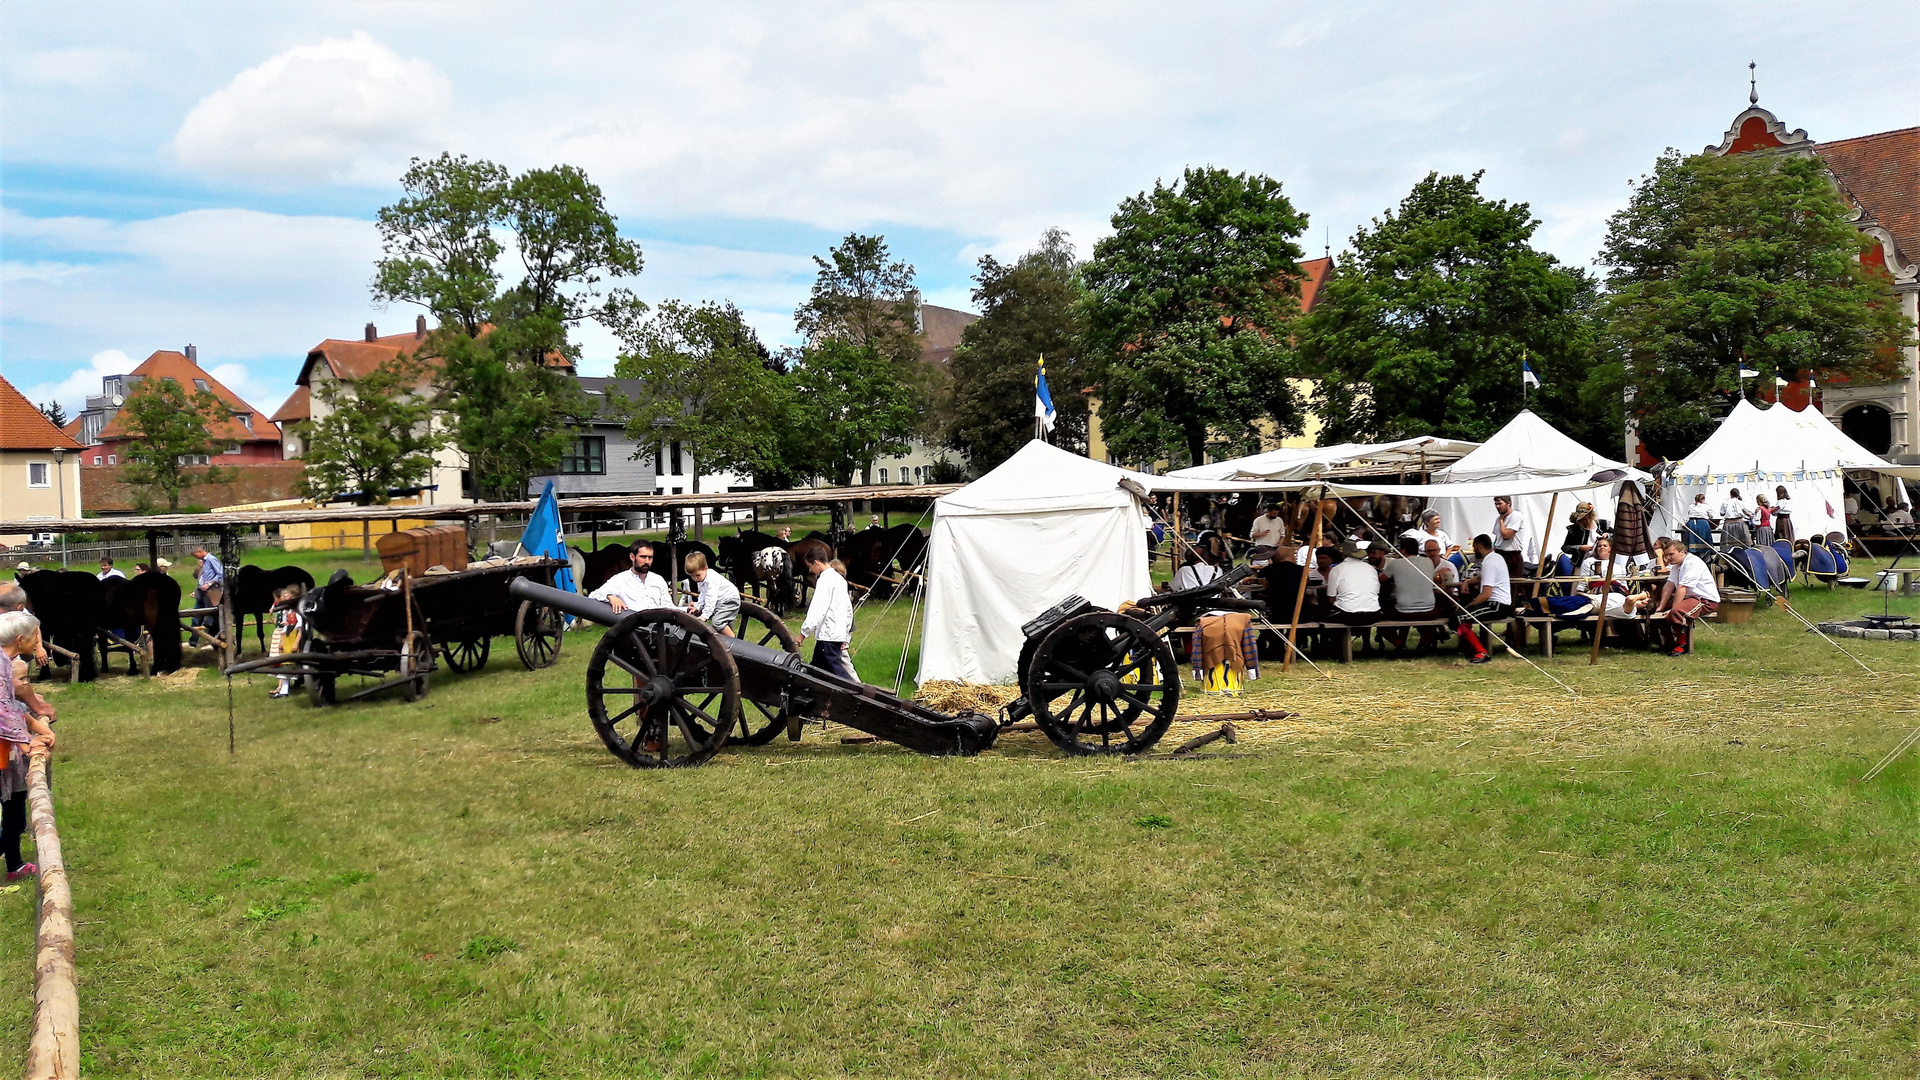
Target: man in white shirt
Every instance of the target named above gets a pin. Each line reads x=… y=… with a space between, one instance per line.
x=1195 y=573
x=1734 y=512
x=1512 y=539
x=637 y=589
x=1492 y=602
x=1689 y=594
x=829 y=620
x=719 y=602
x=1353 y=589
x=1268 y=531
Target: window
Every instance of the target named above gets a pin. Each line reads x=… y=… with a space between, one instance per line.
x=587 y=457
x=37 y=475
x=96 y=459
x=246 y=420
x=113 y=459
x=234 y=449
x=193 y=459
x=883 y=475
x=657 y=464
x=677 y=470
x=200 y=385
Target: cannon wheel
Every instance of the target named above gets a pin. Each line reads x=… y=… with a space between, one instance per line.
x=467 y=656
x=537 y=633
x=1103 y=683
x=645 y=685
x=416 y=659
x=758 y=723
x=319 y=690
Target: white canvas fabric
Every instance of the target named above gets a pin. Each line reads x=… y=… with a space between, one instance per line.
x=1305 y=463
x=1045 y=525
x=1527 y=454
x=1757 y=450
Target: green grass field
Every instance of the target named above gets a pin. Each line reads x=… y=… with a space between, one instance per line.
x=1433 y=870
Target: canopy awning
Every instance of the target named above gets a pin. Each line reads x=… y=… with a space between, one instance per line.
x=1304 y=463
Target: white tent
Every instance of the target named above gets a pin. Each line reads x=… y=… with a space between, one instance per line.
x=1047 y=524
x=1524 y=453
x=1307 y=463
x=1757 y=450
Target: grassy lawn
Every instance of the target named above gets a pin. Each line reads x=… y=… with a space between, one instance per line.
x=1433 y=870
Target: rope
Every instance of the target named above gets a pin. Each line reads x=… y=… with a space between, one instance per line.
x=1785 y=605
x=1905 y=744
x=913 y=619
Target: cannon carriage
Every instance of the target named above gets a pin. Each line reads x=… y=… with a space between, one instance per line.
x=665 y=690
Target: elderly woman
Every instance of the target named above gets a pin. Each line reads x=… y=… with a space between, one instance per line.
x=20 y=730
x=1429 y=529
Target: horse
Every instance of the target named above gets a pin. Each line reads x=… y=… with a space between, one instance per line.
x=253 y=591
x=150 y=602
x=758 y=560
x=69 y=605
x=909 y=546
x=869 y=555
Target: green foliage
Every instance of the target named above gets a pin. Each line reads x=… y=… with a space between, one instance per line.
x=1029 y=309
x=1424 y=329
x=1154 y=821
x=1744 y=259
x=861 y=296
x=706 y=382
x=168 y=427
x=375 y=434
x=55 y=413
x=1188 y=311
x=850 y=405
x=512 y=409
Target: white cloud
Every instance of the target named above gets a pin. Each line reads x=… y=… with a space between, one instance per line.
x=76 y=68
x=346 y=109
x=72 y=391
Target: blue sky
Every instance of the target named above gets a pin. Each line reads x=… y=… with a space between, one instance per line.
x=208 y=173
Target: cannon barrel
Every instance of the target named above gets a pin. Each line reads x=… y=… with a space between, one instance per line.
x=580 y=607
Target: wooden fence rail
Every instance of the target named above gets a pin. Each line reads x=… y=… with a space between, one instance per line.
x=54 y=1052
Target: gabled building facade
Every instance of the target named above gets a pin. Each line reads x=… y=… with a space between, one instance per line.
x=345 y=360
x=248 y=435
x=39 y=464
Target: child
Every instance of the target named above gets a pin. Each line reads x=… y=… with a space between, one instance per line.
x=286 y=631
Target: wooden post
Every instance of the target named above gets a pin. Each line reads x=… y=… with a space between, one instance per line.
x=153 y=549
x=54 y=1048
x=1606 y=591
x=366 y=539
x=1300 y=595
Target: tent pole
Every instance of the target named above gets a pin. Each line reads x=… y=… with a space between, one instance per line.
x=1300 y=594
x=1606 y=592
x=1553 y=507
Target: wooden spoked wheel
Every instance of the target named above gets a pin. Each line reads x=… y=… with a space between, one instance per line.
x=416 y=659
x=1103 y=683
x=467 y=656
x=663 y=690
x=537 y=633
x=760 y=723
x=320 y=690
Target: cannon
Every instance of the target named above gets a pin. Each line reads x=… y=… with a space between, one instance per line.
x=665 y=690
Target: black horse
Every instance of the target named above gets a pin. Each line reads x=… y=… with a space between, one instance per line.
x=69 y=605
x=150 y=602
x=253 y=590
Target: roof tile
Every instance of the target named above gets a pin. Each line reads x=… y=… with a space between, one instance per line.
x=24 y=427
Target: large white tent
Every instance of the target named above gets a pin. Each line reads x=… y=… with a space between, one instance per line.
x=1045 y=525
x=1306 y=463
x=1523 y=453
x=1757 y=450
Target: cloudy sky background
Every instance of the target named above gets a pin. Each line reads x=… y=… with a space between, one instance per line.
x=209 y=173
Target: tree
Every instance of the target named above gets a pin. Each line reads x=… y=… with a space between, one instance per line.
x=377 y=434
x=706 y=382
x=1188 y=308
x=1028 y=309
x=1425 y=328
x=171 y=441
x=862 y=297
x=54 y=412
x=499 y=344
x=1743 y=260
x=849 y=406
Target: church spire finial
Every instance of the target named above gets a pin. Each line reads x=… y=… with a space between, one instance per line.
x=1753 y=84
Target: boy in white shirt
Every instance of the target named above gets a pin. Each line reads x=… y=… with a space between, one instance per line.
x=829 y=620
x=719 y=602
x=1689 y=594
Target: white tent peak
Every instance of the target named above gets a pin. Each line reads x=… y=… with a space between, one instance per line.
x=1040 y=477
x=1527 y=447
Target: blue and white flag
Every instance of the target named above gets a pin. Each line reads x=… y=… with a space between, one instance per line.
x=543 y=536
x=1043 y=401
x=1748 y=373
x=1527 y=378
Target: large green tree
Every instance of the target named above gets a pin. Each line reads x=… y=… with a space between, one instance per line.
x=703 y=379
x=1189 y=305
x=1029 y=308
x=862 y=295
x=1424 y=329
x=1743 y=260
x=503 y=345
x=849 y=406
x=171 y=441
x=375 y=434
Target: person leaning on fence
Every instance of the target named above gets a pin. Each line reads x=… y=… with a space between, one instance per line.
x=209 y=585
x=14 y=598
x=829 y=620
x=1690 y=594
x=718 y=604
x=108 y=570
x=1491 y=602
x=286 y=631
x=20 y=731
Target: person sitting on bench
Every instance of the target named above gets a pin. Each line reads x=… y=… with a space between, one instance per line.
x=1353 y=587
x=1621 y=602
x=1689 y=594
x=1490 y=602
x=1410 y=577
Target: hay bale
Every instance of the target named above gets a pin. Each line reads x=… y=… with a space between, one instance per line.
x=947 y=696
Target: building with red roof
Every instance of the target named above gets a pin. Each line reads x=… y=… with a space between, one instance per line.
x=39 y=464
x=246 y=434
x=1879 y=176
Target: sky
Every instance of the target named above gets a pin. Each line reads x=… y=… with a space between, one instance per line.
x=209 y=173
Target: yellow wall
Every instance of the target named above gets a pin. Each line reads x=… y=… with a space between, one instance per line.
x=17 y=500
x=342 y=535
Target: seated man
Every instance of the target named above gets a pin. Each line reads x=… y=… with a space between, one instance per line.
x=1689 y=594
x=1353 y=587
x=1195 y=571
x=1491 y=600
x=1410 y=577
x=1621 y=601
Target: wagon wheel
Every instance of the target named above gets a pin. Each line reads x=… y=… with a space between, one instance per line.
x=646 y=683
x=319 y=690
x=465 y=656
x=537 y=632
x=759 y=723
x=416 y=659
x=1103 y=683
